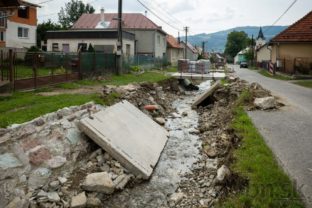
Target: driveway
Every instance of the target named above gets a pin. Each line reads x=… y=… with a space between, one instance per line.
x=288 y=131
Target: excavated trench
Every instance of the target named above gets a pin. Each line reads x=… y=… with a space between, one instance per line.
x=181 y=152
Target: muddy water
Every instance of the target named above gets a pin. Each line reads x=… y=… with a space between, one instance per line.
x=180 y=153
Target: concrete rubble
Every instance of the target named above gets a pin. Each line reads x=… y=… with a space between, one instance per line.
x=49 y=162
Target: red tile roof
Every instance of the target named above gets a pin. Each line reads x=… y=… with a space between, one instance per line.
x=130 y=21
x=172 y=42
x=300 y=31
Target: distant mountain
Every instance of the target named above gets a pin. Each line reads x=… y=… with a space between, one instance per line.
x=216 y=41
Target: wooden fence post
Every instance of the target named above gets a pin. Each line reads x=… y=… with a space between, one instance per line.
x=11 y=69
x=35 y=69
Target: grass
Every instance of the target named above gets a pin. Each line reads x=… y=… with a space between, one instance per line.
x=22 y=107
x=25 y=106
x=23 y=71
x=172 y=69
x=268 y=185
x=304 y=83
x=276 y=76
x=123 y=79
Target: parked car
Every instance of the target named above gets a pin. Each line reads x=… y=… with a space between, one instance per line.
x=243 y=64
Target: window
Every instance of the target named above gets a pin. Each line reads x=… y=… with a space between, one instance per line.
x=2 y=19
x=22 y=32
x=23 y=12
x=66 y=48
x=2 y=36
x=158 y=39
x=128 y=48
x=55 y=47
x=82 y=47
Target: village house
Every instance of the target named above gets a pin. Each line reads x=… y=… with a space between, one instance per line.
x=191 y=51
x=18 y=24
x=292 y=48
x=150 y=39
x=263 y=50
x=174 y=50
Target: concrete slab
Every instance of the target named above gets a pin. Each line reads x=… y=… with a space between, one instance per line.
x=205 y=95
x=210 y=76
x=128 y=135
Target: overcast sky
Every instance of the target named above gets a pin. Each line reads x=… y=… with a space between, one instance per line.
x=202 y=16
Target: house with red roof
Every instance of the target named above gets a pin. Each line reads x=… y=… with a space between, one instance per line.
x=148 y=38
x=18 y=24
x=292 y=48
x=175 y=51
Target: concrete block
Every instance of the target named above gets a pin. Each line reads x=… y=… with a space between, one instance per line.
x=206 y=94
x=128 y=135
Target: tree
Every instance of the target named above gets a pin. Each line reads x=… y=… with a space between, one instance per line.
x=42 y=29
x=90 y=48
x=236 y=41
x=72 y=11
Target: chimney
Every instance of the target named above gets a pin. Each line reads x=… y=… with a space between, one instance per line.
x=102 y=15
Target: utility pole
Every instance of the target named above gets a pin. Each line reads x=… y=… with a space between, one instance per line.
x=119 y=43
x=252 y=50
x=203 y=45
x=185 y=49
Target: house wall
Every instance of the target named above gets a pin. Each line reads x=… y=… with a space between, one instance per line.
x=191 y=55
x=264 y=54
x=174 y=54
x=12 y=39
x=147 y=42
x=31 y=20
x=73 y=44
x=289 y=52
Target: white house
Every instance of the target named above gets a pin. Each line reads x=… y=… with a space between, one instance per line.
x=191 y=52
x=150 y=39
x=18 y=25
x=175 y=51
x=102 y=40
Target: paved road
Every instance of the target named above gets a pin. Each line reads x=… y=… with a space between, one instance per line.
x=288 y=131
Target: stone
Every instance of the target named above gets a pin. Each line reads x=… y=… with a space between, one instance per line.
x=63 y=112
x=18 y=202
x=210 y=152
x=3 y=131
x=128 y=135
x=62 y=180
x=56 y=162
x=121 y=181
x=26 y=131
x=42 y=193
x=73 y=136
x=54 y=184
x=39 y=156
x=8 y=160
x=38 y=177
x=30 y=143
x=53 y=197
x=94 y=202
x=175 y=198
x=265 y=103
x=39 y=122
x=99 y=182
x=160 y=121
x=79 y=201
x=223 y=173
x=71 y=117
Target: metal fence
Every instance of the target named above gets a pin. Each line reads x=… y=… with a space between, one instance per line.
x=145 y=62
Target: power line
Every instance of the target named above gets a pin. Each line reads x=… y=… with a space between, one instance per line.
x=280 y=17
x=45 y=1
x=151 y=11
x=167 y=13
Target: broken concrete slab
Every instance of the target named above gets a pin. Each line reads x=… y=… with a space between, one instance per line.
x=128 y=135
x=205 y=95
x=99 y=182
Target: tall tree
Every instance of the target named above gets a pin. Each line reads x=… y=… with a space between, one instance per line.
x=236 y=41
x=43 y=27
x=72 y=11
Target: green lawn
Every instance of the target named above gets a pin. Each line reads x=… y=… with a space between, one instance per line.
x=304 y=83
x=266 y=73
x=268 y=185
x=25 y=106
x=23 y=71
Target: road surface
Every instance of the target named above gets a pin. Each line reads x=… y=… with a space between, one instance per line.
x=288 y=131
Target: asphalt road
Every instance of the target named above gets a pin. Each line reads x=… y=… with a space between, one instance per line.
x=288 y=131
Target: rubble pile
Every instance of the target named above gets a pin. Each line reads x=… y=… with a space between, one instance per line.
x=211 y=178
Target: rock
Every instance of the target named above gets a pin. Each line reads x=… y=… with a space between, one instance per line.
x=94 y=202
x=98 y=182
x=79 y=201
x=38 y=177
x=18 y=202
x=265 y=103
x=160 y=121
x=73 y=136
x=205 y=202
x=54 y=185
x=223 y=173
x=211 y=152
x=121 y=181
x=3 y=131
x=53 y=197
x=42 y=193
x=39 y=122
x=62 y=180
x=39 y=156
x=56 y=162
x=8 y=160
x=71 y=117
x=184 y=114
x=63 y=112
x=176 y=198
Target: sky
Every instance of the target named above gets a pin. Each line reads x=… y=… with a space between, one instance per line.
x=201 y=16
